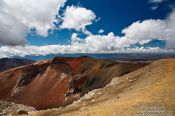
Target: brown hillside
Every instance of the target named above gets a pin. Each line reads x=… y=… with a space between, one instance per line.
x=149 y=90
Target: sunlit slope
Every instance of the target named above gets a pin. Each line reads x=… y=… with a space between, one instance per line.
x=149 y=89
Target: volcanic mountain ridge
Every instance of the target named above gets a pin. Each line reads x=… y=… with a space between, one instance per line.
x=148 y=91
x=61 y=81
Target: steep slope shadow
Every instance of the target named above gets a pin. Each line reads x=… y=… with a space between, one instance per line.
x=59 y=82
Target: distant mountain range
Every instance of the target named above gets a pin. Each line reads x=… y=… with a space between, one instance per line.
x=112 y=56
x=8 y=63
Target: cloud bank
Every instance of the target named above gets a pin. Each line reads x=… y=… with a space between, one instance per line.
x=139 y=32
x=11 y=51
x=17 y=17
x=16 y=25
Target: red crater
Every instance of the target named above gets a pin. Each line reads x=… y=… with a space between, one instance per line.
x=59 y=82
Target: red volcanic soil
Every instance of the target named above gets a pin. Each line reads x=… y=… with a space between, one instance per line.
x=59 y=82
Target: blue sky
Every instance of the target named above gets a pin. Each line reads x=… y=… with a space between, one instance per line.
x=114 y=15
x=86 y=26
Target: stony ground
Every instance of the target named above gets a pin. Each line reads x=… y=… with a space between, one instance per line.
x=9 y=108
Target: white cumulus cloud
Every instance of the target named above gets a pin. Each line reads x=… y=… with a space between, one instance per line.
x=138 y=32
x=101 y=31
x=152 y=29
x=145 y=30
x=77 y=18
x=17 y=17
